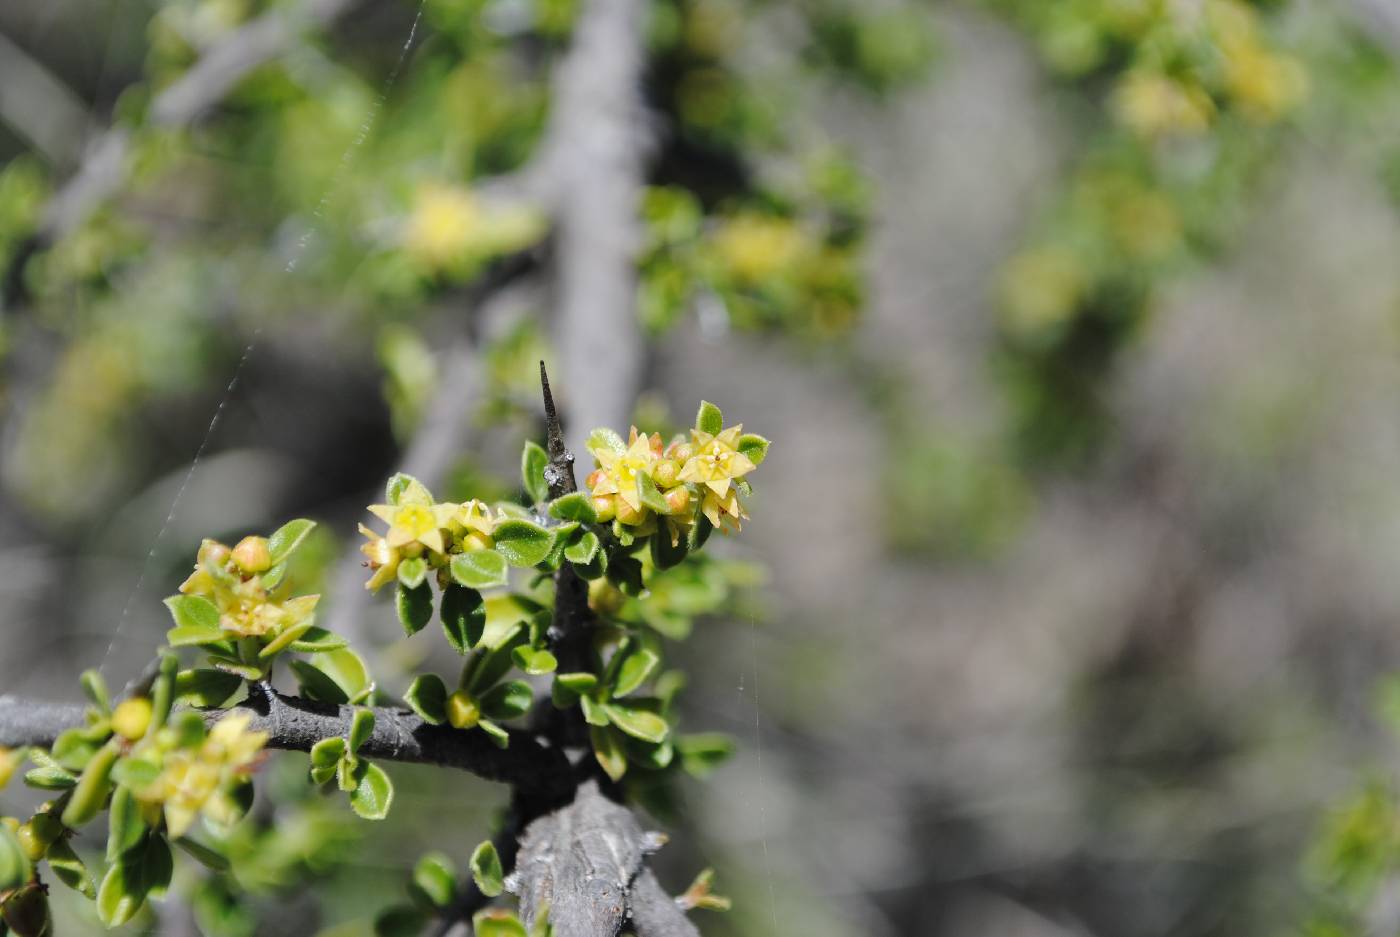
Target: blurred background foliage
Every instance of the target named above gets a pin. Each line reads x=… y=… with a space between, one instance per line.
x=1075 y=324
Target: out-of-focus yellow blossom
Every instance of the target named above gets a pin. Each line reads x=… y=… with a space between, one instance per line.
x=716 y=461
x=753 y=248
x=200 y=780
x=10 y=759
x=1153 y=104
x=1265 y=85
x=414 y=526
x=617 y=473
x=245 y=606
x=1040 y=289
x=444 y=220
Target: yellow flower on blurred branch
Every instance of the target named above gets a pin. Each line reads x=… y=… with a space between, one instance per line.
x=199 y=780
x=753 y=248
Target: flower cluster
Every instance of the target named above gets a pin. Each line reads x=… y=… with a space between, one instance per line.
x=423 y=534
x=200 y=775
x=236 y=581
x=644 y=480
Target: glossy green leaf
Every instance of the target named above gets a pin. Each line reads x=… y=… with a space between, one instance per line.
x=489 y=665
x=69 y=869
x=638 y=723
x=206 y=688
x=563 y=535
x=427 y=696
x=463 y=616
x=650 y=495
x=608 y=749
x=487 y=871
x=203 y=854
x=593 y=712
x=328 y=752
x=666 y=555
x=754 y=446
x=535 y=661
x=125 y=827
x=480 y=569
x=90 y=794
x=604 y=438
x=637 y=665
x=405 y=489
x=574 y=506
x=287 y=538
x=361 y=728
x=507 y=700
x=414 y=605
x=583 y=550
x=195 y=613
x=709 y=419
x=95 y=689
x=532 y=463
x=522 y=543
x=702 y=752
x=284 y=640
x=499 y=736
x=373 y=793
x=338 y=676
x=316 y=640
x=75 y=747
x=141 y=873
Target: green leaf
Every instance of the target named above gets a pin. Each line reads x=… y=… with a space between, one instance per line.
x=638 y=723
x=648 y=755
x=49 y=775
x=583 y=550
x=754 y=446
x=206 y=856
x=607 y=748
x=90 y=795
x=480 y=569
x=316 y=640
x=70 y=869
x=338 y=676
x=427 y=696
x=75 y=747
x=95 y=688
x=532 y=463
x=568 y=687
x=194 y=611
x=15 y=867
x=283 y=640
x=702 y=752
x=709 y=419
x=491 y=664
x=522 y=543
x=141 y=873
x=499 y=736
x=287 y=538
x=136 y=773
x=497 y=922
x=535 y=661
x=436 y=877
x=412 y=572
x=507 y=700
x=665 y=555
x=125 y=827
x=405 y=489
x=487 y=871
x=373 y=793
x=593 y=712
x=604 y=438
x=650 y=495
x=574 y=506
x=463 y=617
x=414 y=605
x=361 y=728
x=637 y=665
x=328 y=752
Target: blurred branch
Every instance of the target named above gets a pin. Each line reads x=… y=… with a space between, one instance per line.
x=39 y=107
x=104 y=168
x=654 y=912
x=594 y=151
x=295 y=724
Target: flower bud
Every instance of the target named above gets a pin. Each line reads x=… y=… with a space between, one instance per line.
x=680 y=451
x=252 y=555
x=606 y=507
x=594 y=477
x=477 y=541
x=678 y=499
x=630 y=515
x=30 y=843
x=462 y=711
x=664 y=473
x=213 y=553
x=132 y=717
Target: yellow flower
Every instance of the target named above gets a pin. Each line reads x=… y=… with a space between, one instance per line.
x=245 y=608
x=10 y=759
x=716 y=461
x=411 y=524
x=754 y=248
x=1153 y=104
x=444 y=221
x=199 y=780
x=724 y=511
x=617 y=472
x=474 y=516
x=382 y=558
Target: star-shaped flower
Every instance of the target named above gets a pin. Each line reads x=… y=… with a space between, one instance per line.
x=415 y=523
x=199 y=780
x=618 y=470
x=716 y=460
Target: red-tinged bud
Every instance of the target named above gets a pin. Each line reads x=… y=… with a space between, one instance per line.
x=213 y=553
x=681 y=451
x=629 y=515
x=252 y=555
x=678 y=499
x=664 y=473
x=594 y=477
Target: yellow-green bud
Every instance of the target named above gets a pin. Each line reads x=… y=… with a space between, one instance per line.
x=475 y=540
x=132 y=718
x=606 y=507
x=677 y=499
x=252 y=555
x=212 y=552
x=664 y=473
x=630 y=515
x=30 y=843
x=462 y=710
x=9 y=761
